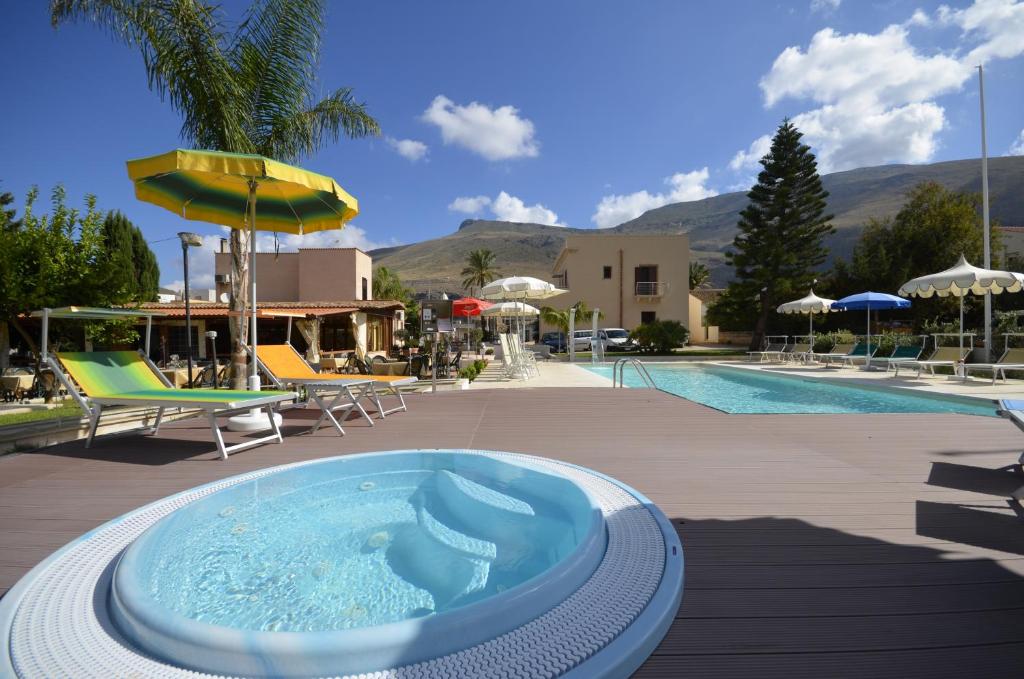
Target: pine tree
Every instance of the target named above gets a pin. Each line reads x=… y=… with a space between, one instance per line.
x=781 y=235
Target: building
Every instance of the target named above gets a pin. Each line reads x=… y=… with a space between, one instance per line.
x=309 y=275
x=1013 y=241
x=319 y=298
x=632 y=279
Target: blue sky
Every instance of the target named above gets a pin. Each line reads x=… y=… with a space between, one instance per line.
x=582 y=112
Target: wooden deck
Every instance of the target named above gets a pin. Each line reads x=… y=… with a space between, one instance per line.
x=815 y=545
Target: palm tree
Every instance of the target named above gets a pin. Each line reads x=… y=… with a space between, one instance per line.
x=560 y=317
x=699 y=275
x=387 y=285
x=479 y=270
x=248 y=89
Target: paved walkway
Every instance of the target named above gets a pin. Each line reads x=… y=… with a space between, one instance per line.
x=552 y=374
x=815 y=545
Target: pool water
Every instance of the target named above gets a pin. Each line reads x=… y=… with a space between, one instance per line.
x=345 y=553
x=737 y=390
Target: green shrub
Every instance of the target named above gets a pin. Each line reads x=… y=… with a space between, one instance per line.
x=660 y=337
x=479 y=364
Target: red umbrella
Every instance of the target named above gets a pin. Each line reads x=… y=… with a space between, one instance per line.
x=469 y=306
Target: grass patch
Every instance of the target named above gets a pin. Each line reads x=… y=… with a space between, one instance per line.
x=69 y=409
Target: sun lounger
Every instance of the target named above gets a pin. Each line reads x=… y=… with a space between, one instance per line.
x=859 y=354
x=842 y=350
x=773 y=349
x=1012 y=359
x=943 y=357
x=126 y=378
x=797 y=352
x=904 y=354
x=1014 y=411
x=283 y=365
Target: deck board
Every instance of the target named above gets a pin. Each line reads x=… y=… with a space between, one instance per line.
x=816 y=545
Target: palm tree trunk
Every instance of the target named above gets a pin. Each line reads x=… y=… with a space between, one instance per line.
x=238 y=303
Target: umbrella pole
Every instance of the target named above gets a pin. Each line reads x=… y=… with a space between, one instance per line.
x=867 y=357
x=958 y=368
x=810 y=338
x=254 y=377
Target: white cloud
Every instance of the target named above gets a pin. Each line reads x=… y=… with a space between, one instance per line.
x=683 y=186
x=995 y=26
x=749 y=159
x=201 y=259
x=876 y=93
x=470 y=205
x=825 y=5
x=1017 y=147
x=410 y=149
x=495 y=134
x=508 y=208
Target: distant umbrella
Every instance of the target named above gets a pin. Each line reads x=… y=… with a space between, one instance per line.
x=810 y=305
x=870 y=301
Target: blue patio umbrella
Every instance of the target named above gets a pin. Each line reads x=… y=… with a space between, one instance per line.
x=870 y=301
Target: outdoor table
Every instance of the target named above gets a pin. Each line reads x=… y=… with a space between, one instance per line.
x=178 y=377
x=391 y=368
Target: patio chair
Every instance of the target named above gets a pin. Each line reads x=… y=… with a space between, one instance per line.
x=797 y=352
x=859 y=354
x=126 y=378
x=283 y=365
x=1012 y=359
x=772 y=349
x=858 y=349
x=942 y=357
x=903 y=354
x=1014 y=412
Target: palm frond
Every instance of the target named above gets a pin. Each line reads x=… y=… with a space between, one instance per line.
x=305 y=131
x=182 y=44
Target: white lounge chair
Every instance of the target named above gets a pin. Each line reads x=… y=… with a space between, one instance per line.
x=942 y=357
x=1014 y=412
x=1012 y=359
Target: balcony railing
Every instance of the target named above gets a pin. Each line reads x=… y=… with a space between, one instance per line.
x=651 y=289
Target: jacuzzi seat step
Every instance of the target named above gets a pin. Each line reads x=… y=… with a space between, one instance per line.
x=482 y=511
x=446 y=572
x=454 y=539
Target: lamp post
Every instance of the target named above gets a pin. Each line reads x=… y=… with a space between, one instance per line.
x=188 y=240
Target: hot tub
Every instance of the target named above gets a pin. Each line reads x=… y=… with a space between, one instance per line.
x=418 y=563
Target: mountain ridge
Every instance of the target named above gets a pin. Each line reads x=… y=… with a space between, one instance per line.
x=854 y=197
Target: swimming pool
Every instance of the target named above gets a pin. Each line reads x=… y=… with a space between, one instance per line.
x=411 y=563
x=740 y=390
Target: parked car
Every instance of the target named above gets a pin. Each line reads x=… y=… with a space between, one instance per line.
x=616 y=339
x=581 y=340
x=555 y=340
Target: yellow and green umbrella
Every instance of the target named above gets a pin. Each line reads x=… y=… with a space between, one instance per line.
x=242 y=191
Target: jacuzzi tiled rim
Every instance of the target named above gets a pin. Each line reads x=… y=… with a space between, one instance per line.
x=608 y=627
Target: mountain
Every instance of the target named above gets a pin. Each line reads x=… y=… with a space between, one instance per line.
x=854 y=197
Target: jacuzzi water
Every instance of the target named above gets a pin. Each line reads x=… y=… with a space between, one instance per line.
x=738 y=390
x=356 y=564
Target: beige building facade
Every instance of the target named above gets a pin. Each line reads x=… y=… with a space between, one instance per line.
x=632 y=279
x=309 y=275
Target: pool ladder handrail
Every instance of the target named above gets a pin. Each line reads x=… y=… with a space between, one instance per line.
x=619 y=372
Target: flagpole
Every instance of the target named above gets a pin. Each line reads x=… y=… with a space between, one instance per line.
x=986 y=236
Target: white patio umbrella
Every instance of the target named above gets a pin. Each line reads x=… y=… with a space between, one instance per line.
x=961 y=280
x=519 y=287
x=511 y=310
x=810 y=305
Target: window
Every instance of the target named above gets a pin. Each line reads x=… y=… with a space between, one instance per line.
x=366 y=289
x=647 y=317
x=607 y=272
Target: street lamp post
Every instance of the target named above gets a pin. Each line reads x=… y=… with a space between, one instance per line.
x=188 y=240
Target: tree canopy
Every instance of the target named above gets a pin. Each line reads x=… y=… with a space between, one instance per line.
x=699 y=275
x=929 y=233
x=781 y=235
x=560 y=317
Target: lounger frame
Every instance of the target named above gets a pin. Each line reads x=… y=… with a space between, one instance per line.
x=93 y=408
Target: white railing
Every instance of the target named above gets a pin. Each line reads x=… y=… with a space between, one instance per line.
x=651 y=289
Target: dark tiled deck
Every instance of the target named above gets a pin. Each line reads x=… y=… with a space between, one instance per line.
x=816 y=545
